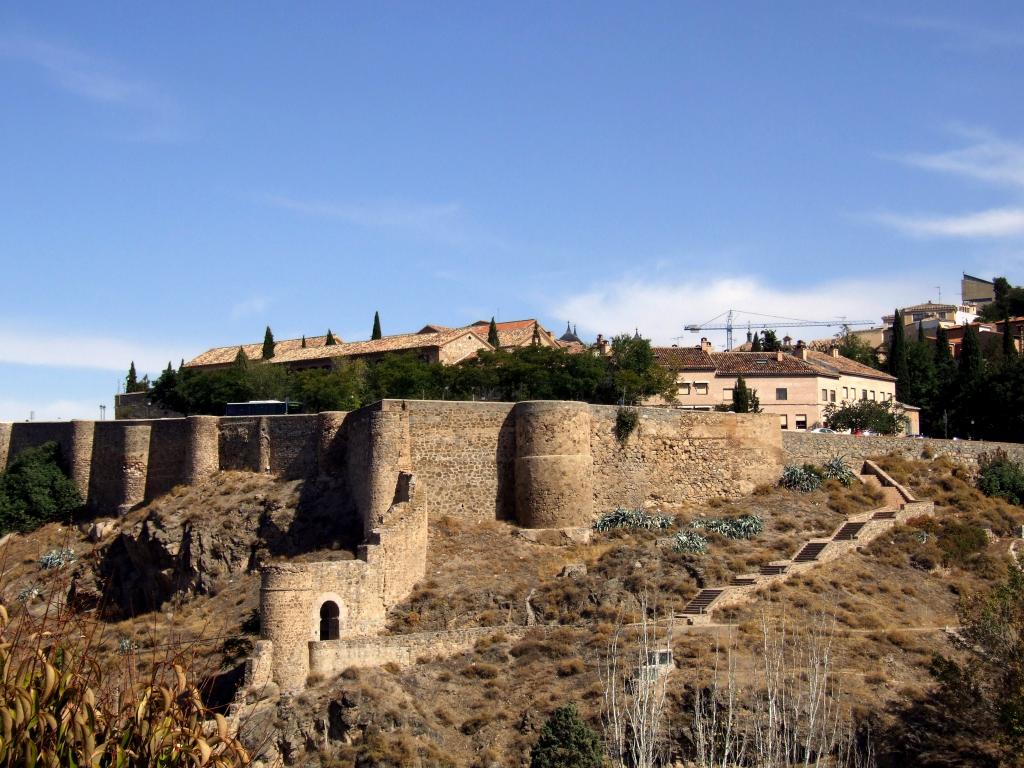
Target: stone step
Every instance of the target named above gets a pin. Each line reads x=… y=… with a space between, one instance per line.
x=885 y=514
x=747 y=580
x=703 y=599
x=848 y=532
x=774 y=570
x=810 y=551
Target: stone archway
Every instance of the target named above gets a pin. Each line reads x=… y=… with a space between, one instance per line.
x=330 y=621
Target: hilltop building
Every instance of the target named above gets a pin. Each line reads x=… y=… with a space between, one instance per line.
x=976 y=291
x=797 y=385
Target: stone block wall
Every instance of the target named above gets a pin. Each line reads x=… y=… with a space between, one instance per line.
x=815 y=447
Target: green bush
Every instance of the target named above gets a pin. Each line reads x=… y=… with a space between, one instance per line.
x=626 y=420
x=567 y=742
x=1000 y=476
x=806 y=478
x=34 y=490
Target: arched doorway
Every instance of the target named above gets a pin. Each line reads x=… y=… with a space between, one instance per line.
x=330 y=621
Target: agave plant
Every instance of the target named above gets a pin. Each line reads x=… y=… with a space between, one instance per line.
x=690 y=541
x=742 y=527
x=57 y=558
x=836 y=469
x=632 y=518
x=806 y=478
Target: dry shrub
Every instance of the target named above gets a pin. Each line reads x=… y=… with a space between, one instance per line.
x=570 y=667
x=480 y=670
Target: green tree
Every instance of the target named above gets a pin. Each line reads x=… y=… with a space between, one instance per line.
x=567 y=742
x=1009 y=301
x=755 y=343
x=972 y=363
x=241 y=362
x=885 y=418
x=1009 y=350
x=492 y=335
x=635 y=374
x=268 y=344
x=303 y=345
x=330 y=341
x=771 y=341
x=131 y=382
x=981 y=691
x=376 y=334
x=853 y=347
x=922 y=380
x=897 y=359
x=35 y=490
x=744 y=399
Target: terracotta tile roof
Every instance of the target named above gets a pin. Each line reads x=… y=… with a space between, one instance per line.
x=573 y=347
x=514 y=333
x=760 y=364
x=844 y=365
x=683 y=358
x=226 y=355
x=295 y=353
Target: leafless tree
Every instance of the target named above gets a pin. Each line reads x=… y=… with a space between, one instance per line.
x=635 y=674
x=789 y=710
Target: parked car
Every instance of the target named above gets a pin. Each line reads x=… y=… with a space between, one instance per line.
x=824 y=431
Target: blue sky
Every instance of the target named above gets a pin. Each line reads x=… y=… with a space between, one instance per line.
x=178 y=177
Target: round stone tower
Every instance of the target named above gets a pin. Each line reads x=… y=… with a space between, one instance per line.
x=554 y=466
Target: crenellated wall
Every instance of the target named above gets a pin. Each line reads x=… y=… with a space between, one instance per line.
x=547 y=464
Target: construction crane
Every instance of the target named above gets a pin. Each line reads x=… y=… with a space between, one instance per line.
x=777 y=322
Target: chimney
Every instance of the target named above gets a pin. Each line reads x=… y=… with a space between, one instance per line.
x=705 y=345
x=835 y=351
x=778 y=356
x=801 y=350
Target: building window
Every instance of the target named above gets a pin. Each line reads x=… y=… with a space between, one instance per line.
x=872 y=394
x=863 y=394
x=330 y=621
x=684 y=389
x=781 y=393
x=824 y=395
x=784 y=421
x=726 y=394
x=700 y=389
x=801 y=421
x=846 y=393
x=832 y=396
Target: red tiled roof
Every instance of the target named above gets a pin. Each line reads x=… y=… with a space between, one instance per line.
x=760 y=364
x=226 y=355
x=683 y=358
x=844 y=365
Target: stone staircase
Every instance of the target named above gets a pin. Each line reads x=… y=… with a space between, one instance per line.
x=899 y=504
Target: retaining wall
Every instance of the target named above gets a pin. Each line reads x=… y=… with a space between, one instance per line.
x=815 y=447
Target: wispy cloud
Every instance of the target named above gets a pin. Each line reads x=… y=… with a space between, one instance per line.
x=994 y=223
x=254 y=305
x=660 y=310
x=443 y=222
x=89 y=78
x=988 y=159
x=26 y=347
x=959 y=34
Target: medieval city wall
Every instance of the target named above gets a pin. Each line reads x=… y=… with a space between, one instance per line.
x=815 y=447
x=545 y=463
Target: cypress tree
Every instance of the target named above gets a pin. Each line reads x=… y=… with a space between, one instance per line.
x=1008 y=348
x=376 y=326
x=755 y=345
x=131 y=382
x=897 y=362
x=241 y=361
x=971 y=361
x=268 y=344
x=330 y=341
x=492 y=335
x=744 y=399
x=303 y=341
x=567 y=742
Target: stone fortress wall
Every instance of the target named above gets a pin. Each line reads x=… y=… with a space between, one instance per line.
x=815 y=447
x=545 y=463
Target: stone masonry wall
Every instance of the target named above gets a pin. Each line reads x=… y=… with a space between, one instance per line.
x=464 y=453
x=815 y=447
x=682 y=456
